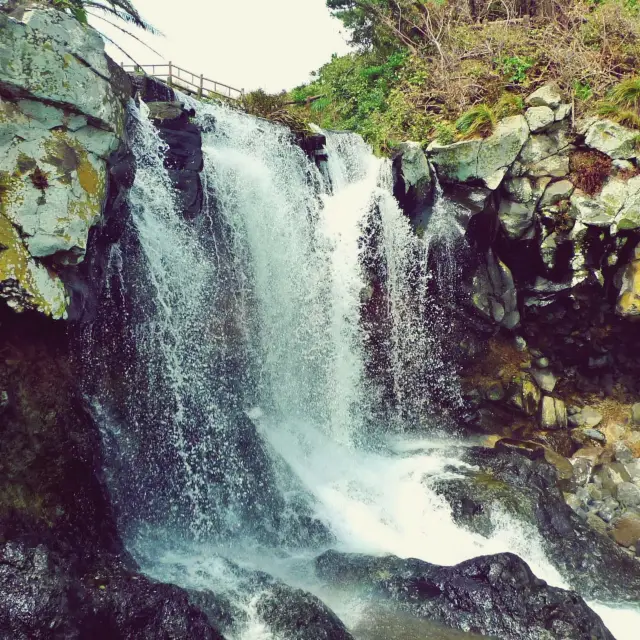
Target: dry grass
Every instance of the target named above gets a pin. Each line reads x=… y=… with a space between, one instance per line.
x=590 y=170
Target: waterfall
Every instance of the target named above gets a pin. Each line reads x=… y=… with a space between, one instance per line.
x=245 y=417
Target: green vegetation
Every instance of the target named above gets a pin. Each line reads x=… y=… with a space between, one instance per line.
x=446 y=69
x=479 y=120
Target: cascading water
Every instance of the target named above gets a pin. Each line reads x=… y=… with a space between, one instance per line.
x=287 y=265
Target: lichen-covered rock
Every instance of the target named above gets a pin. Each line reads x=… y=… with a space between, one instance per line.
x=516 y=218
x=553 y=413
x=541 y=146
x=600 y=210
x=556 y=192
x=487 y=160
x=63 y=118
x=50 y=56
x=546 y=96
x=538 y=118
x=628 y=304
x=613 y=139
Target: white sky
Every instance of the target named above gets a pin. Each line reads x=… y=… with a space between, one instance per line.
x=272 y=44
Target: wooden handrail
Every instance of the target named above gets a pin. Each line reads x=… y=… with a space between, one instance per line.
x=197 y=85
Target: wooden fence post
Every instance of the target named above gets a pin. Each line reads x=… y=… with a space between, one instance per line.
x=201 y=91
x=170 y=74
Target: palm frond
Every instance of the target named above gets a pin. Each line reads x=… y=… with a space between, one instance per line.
x=132 y=35
x=120 y=9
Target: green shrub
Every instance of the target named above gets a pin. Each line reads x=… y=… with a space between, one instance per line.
x=515 y=68
x=260 y=103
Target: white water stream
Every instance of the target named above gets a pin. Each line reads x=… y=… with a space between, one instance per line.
x=296 y=248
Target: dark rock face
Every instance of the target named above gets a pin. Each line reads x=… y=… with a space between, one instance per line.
x=297 y=615
x=184 y=146
x=85 y=281
x=494 y=595
x=528 y=489
x=64 y=572
x=41 y=599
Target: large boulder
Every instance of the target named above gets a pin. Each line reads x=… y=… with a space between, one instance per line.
x=495 y=595
x=294 y=614
x=528 y=489
x=61 y=119
x=486 y=160
x=42 y=599
x=611 y=138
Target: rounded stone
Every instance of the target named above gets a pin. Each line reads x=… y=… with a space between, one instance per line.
x=628 y=494
x=626 y=530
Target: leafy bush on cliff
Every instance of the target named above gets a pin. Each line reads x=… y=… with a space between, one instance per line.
x=420 y=64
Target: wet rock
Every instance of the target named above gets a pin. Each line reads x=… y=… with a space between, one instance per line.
x=582 y=468
x=628 y=304
x=41 y=599
x=538 y=118
x=495 y=392
x=609 y=510
x=493 y=292
x=626 y=530
x=493 y=595
x=529 y=489
x=294 y=614
x=628 y=494
x=165 y=110
x=547 y=96
x=413 y=182
x=553 y=413
x=594 y=434
x=587 y=417
x=545 y=379
x=610 y=138
x=597 y=523
x=526 y=395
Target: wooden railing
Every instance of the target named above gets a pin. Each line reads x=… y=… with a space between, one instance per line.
x=184 y=80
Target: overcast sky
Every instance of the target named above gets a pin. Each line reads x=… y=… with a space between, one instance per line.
x=273 y=44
